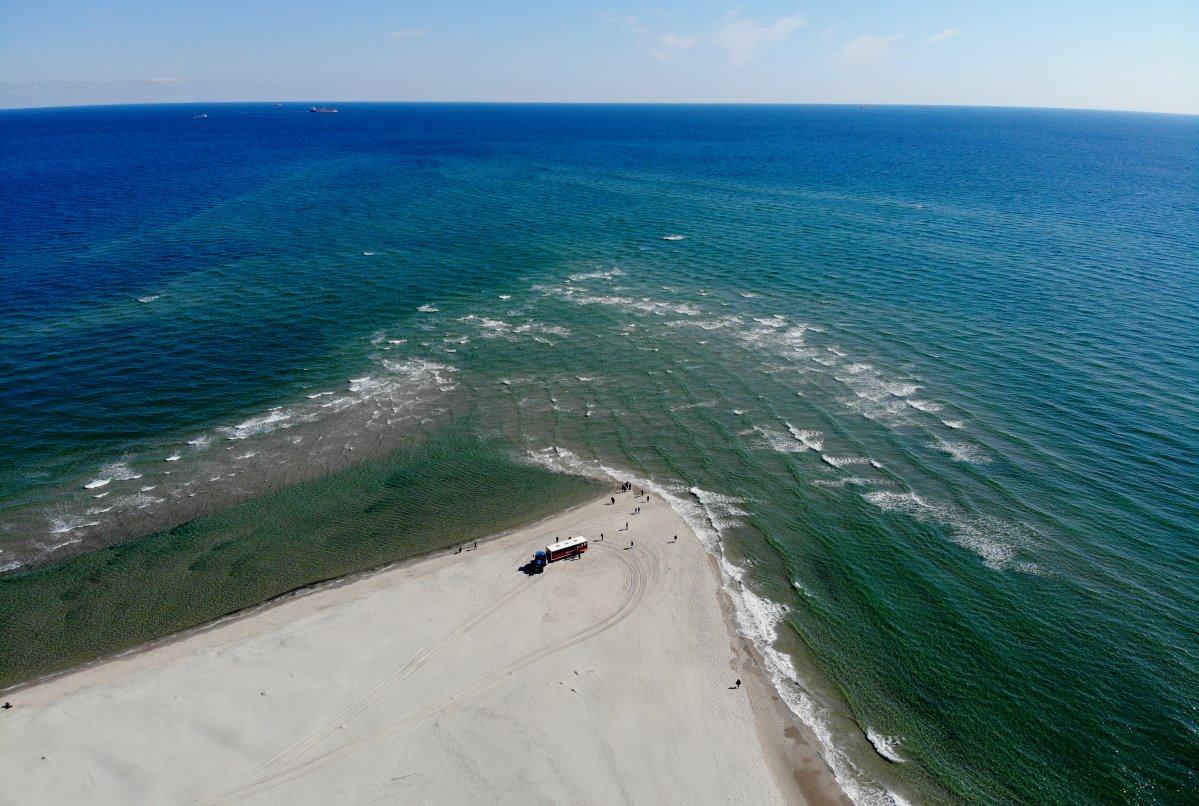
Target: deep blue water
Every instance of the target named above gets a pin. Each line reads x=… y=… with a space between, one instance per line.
x=926 y=378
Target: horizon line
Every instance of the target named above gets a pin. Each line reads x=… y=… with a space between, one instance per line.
x=858 y=104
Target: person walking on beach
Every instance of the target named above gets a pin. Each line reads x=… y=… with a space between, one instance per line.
x=738 y=682
x=630 y=544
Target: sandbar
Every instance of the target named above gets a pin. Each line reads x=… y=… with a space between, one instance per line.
x=452 y=678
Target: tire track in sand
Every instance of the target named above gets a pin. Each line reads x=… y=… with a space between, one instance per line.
x=637 y=577
x=366 y=701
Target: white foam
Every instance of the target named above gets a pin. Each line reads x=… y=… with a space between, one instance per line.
x=499 y=329
x=368 y=254
x=505 y=296
x=11 y=565
x=954 y=423
x=319 y=394
x=780 y=442
x=63 y=544
x=67 y=524
x=537 y=327
x=117 y=471
x=992 y=539
x=721 y=511
x=702 y=404
x=856 y=481
x=707 y=324
x=844 y=461
x=148 y=299
x=962 y=451
x=139 y=501
x=101 y=495
x=174 y=457
x=809 y=439
x=262 y=424
x=674 y=237
x=99 y=510
x=564 y=460
x=644 y=304
x=776 y=333
x=886 y=746
x=925 y=405
x=428 y=308
x=201 y=441
x=596 y=275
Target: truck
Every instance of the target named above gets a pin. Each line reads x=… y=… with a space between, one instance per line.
x=570 y=547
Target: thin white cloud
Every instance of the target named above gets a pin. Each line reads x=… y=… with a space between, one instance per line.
x=630 y=22
x=680 y=41
x=742 y=38
x=867 y=47
x=739 y=37
x=409 y=34
x=164 y=80
x=948 y=33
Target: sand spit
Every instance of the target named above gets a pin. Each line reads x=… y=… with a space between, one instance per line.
x=455 y=678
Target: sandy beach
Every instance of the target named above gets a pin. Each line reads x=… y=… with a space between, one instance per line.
x=455 y=678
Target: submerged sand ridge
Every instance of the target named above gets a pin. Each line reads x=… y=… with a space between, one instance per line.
x=451 y=679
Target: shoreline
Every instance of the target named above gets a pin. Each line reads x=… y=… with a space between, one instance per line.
x=780 y=743
x=279 y=599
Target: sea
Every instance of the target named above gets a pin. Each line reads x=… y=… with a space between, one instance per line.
x=924 y=380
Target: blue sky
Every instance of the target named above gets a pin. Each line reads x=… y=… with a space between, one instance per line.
x=1100 y=54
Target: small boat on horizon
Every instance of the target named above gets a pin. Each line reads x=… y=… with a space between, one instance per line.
x=323 y=109
x=201 y=115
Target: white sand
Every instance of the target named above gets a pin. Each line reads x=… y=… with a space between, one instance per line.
x=451 y=679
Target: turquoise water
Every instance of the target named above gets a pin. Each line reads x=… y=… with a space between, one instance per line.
x=927 y=379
